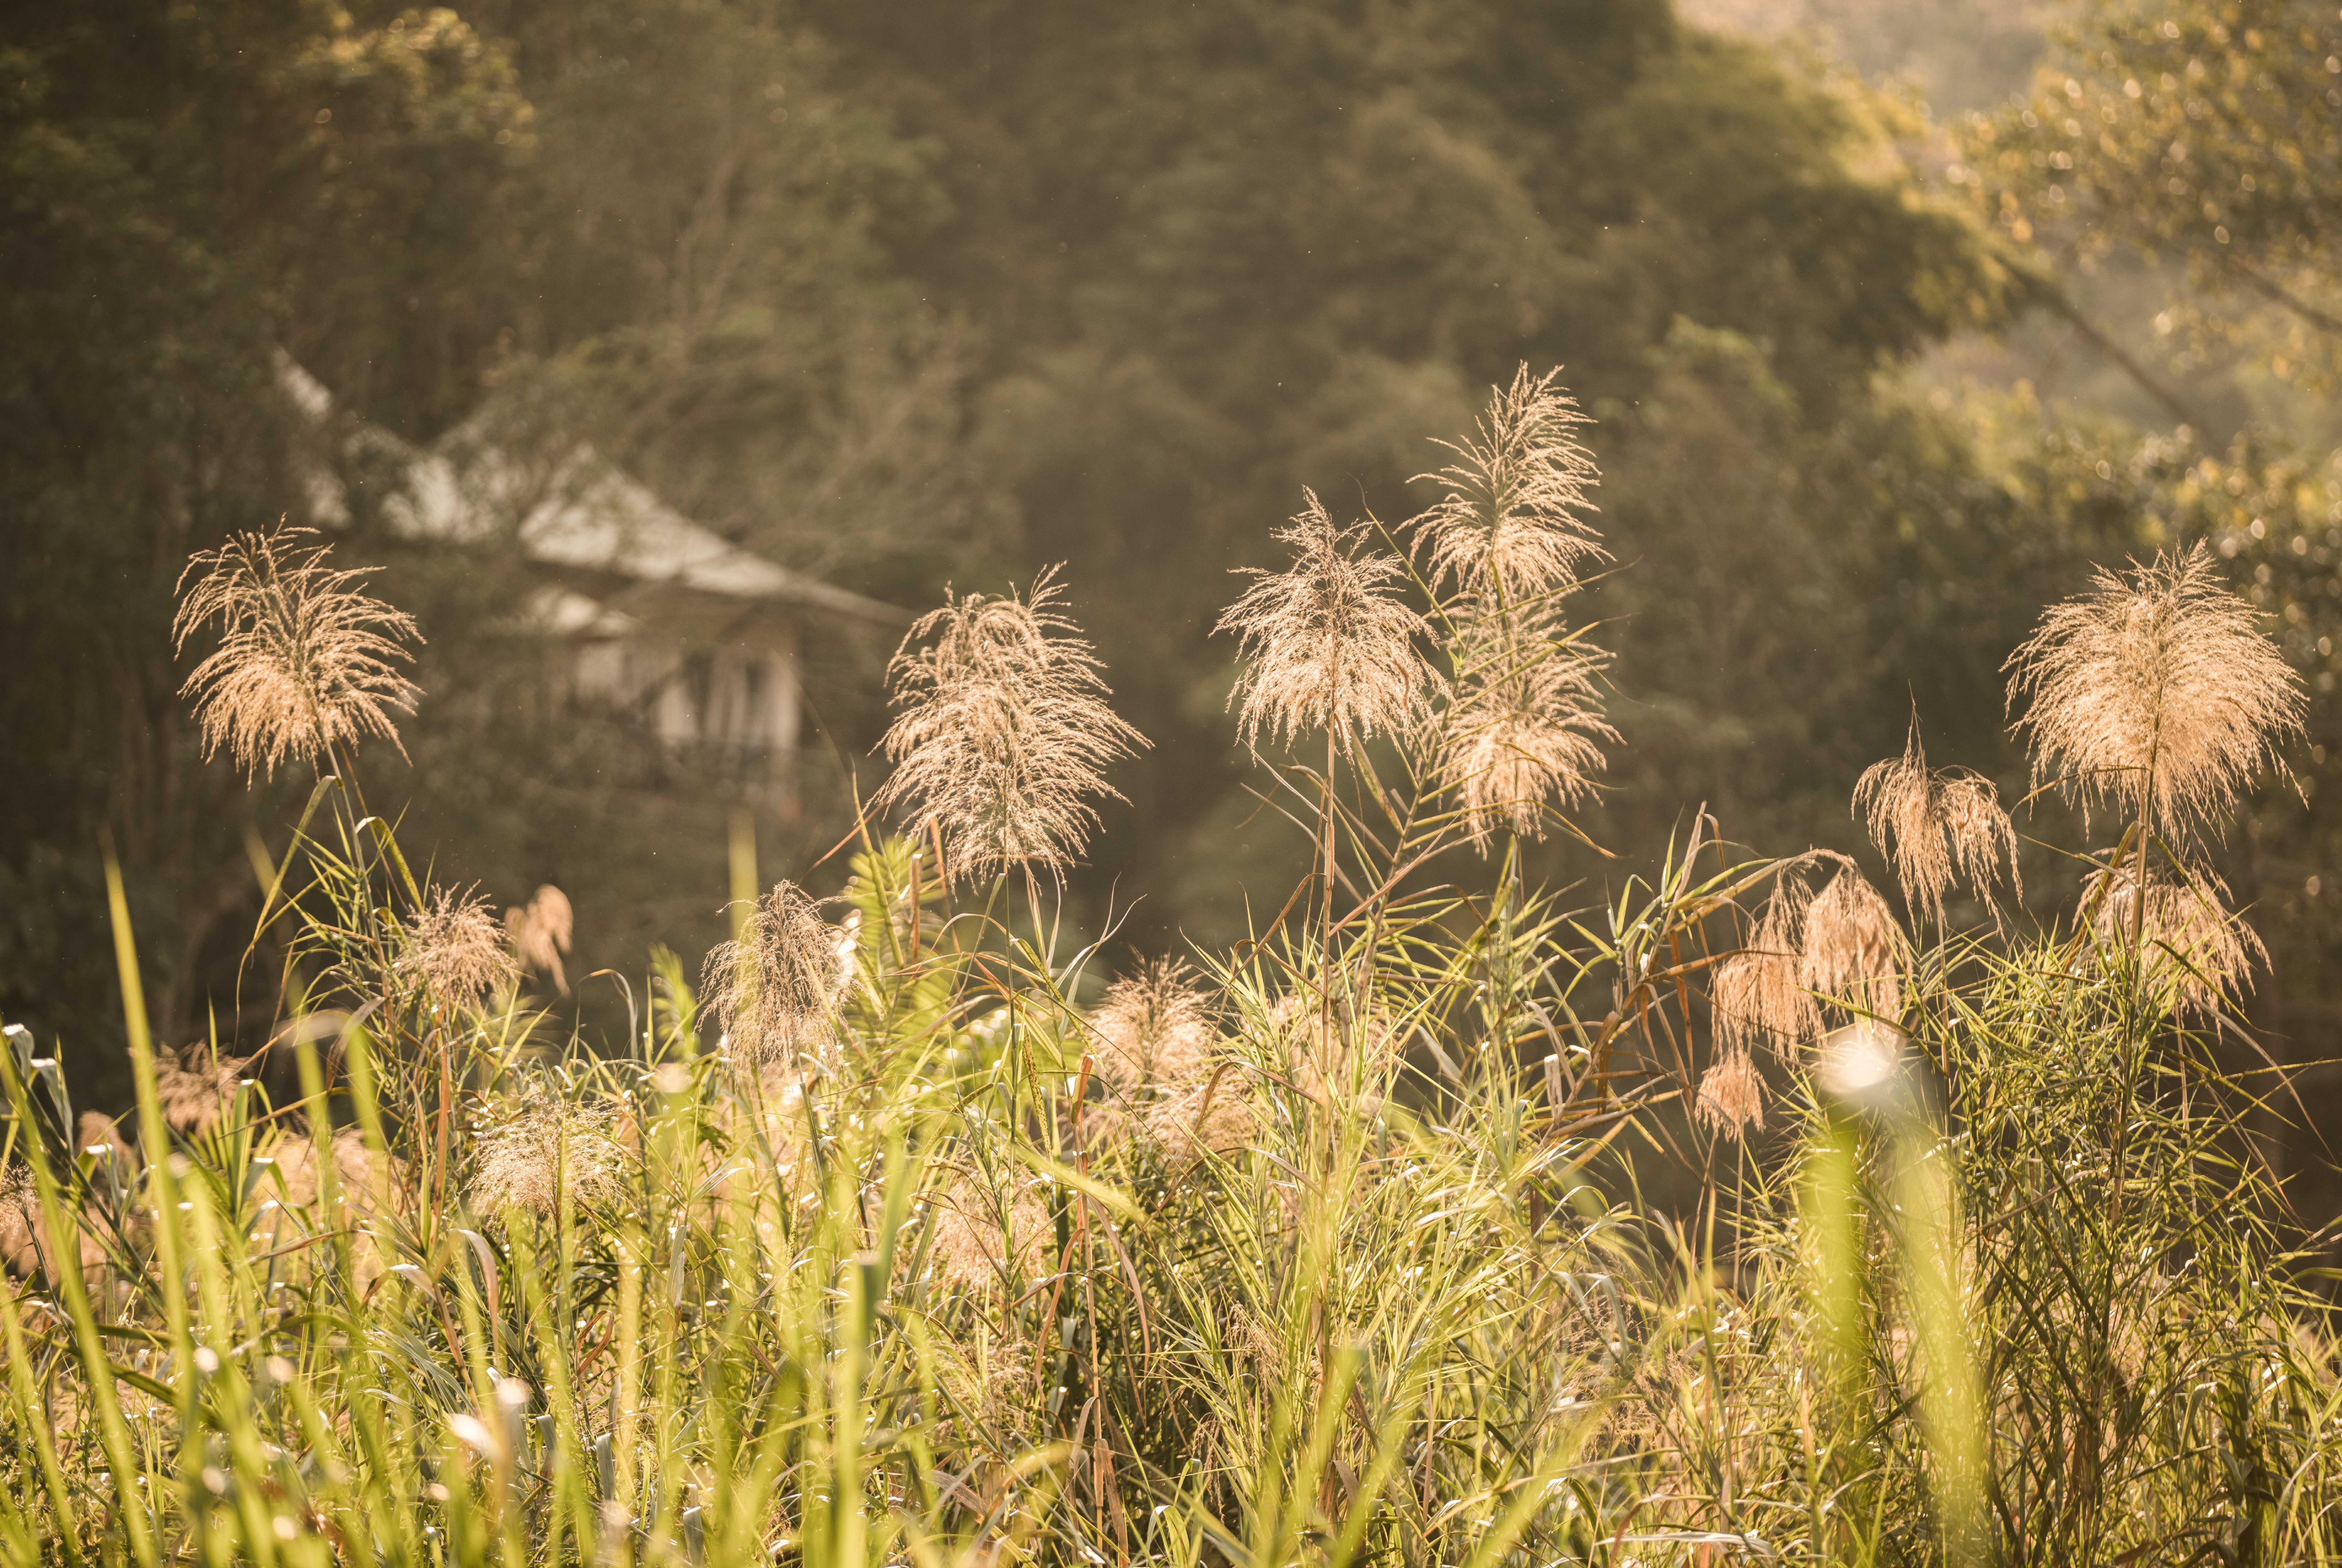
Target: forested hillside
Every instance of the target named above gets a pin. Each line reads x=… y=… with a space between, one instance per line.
x=938 y=295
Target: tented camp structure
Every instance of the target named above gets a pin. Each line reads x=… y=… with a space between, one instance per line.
x=647 y=613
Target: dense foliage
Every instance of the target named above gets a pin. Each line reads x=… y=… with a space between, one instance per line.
x=947 y=295
x=892 y=1240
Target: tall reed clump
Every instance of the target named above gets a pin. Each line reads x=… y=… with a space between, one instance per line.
x=906 y=1236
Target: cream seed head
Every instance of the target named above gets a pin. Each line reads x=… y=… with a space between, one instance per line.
x=1854 y=952
x=1731 y=1097
x=453 y=950
x=1329 y=646
x=540 y=932
x=1760 y=999
x=1004 y=734
x=2195 y=951
x=1512 y=523
x=1524 y=723
x=1935 y=825
x=197 y=1086
x=305 y=660
x=774 y=991
x=1154 y=1030
x=2156 y=692
x=543 y=1152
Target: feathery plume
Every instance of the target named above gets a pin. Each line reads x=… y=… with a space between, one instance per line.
x=195 y=1087
x=2194 y=950
x=305 y=660
x=774 y=991
x=1760 y=1000
x=2157 y=692
x=1154 y=1030
x=27 y=1248
x=1731 y=1095
x=547 y=1151
x=1525 y=723
x=453 y=951
x=1935 y=823
x=366 y=1184
x=1330 y=648
x=981 y=1237
x=1213 y=1115
x=539 y=932
x=1511 y=524
x=1005 y=734
x=1853 y=950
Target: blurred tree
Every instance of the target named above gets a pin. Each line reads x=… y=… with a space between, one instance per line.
x=2208 y=133
x=186 y=188
x=950 y=292
x=1225 y=250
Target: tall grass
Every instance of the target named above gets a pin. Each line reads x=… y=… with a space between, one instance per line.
x=898 y=1243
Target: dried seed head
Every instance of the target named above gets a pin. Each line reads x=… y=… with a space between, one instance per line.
x=1760 y=1000
x=775 y=991
x=1512 y=523
x=1154 y=1030
x=985 y=1238
x=543 y=1152
x=1525 y=720
x=305 y=660
x=2195 y=951
x=1933 y=824
x=453 y=950
x=539 y=932
x=1330 y=648
x=365 y=1183
x=1354 y=1059
x=1854 y=952
x=1214 y=1116
x=1004 y=734
x=2157 y=692
x=195 y=1087
x=1731 y=1095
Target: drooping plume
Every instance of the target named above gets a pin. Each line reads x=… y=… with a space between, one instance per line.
x=2194 y=951
x=305 y=661
x=1731 y=1095
x=1936 y=824
x=2157 y=692
x=1511 y=525
x=1004 y=733
x=1331 y=648
x=1760 y=999
x=1524 y=721
x=775 y=991
x=1854 y=952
